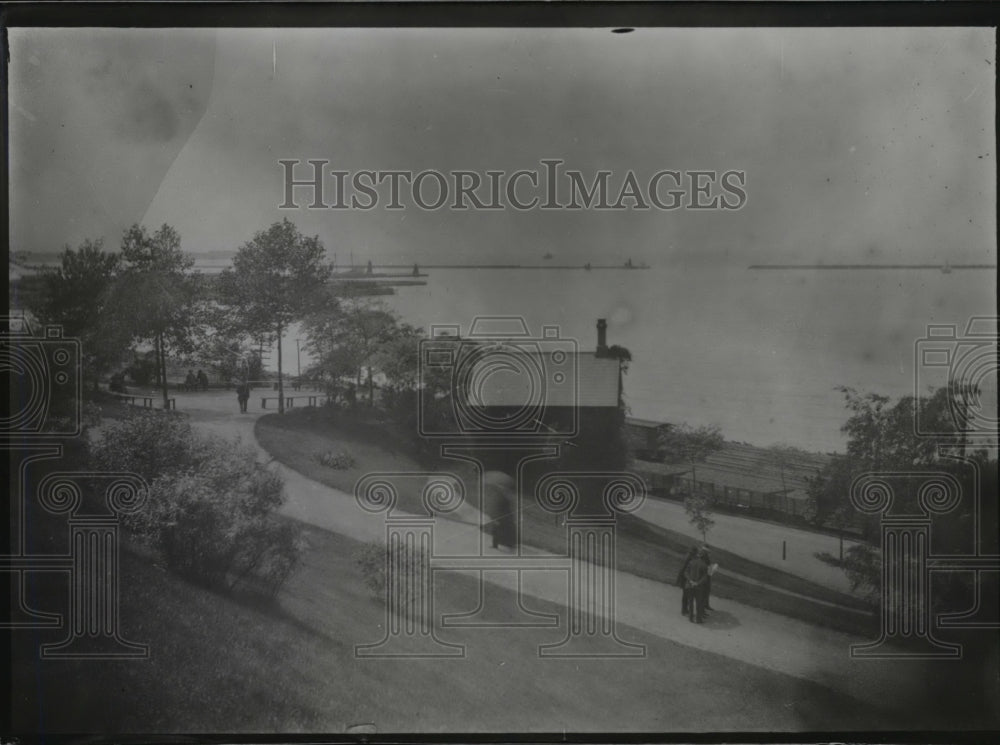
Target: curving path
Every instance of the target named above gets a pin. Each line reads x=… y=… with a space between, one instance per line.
x=737 y=631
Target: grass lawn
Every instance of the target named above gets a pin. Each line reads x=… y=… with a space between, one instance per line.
x=644 y=549
x=217 y=664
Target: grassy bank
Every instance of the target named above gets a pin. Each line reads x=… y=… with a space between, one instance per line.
x=217 y=664
x=644 y=549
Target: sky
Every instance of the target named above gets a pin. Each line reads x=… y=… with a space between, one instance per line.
x=866 y=145
x=857 y=144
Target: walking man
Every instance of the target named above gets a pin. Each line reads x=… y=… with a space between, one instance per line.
x=243 y=395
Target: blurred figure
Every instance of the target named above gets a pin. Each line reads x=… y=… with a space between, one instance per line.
x=190 y=382
x=202 y=380
x=498 y=506
x=243 y=395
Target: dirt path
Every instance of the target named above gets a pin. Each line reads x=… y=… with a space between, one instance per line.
x=737 y=631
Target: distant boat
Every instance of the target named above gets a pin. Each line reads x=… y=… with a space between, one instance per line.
x=587 y=266
x=946 y=269
x=547 y=256
x=628 y=263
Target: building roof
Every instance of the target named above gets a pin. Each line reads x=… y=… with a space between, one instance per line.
x=723 y=477
x=741 y=466
x=632 y=421
x=659 y=469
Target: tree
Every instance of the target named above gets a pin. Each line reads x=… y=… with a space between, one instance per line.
x=157 y=297
x=699 y=512
x=882 y=437
x=624 y=357
x=399 y=357
x=682 y=443
x=76 y=296
x=348 y=339
x=278 y=277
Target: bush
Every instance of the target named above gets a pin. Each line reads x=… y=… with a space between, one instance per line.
x=373 y=560
x=210 y=509
x=339 y=461
x=148 y=443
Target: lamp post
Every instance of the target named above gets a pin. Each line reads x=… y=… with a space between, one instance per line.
x=298 y=359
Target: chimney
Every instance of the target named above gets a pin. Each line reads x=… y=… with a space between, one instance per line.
x=602 y=336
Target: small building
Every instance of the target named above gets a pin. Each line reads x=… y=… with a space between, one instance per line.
x=739 y=477
x=540 y=391
x=644 y=438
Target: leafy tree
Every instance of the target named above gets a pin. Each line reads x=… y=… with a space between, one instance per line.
x=620 y=353
x=348 y=339
x=75 y=296
x=278 y=277
x=682 y=443
x=156 y=296
x=399 y=357
x=624 y=357
x=882 y=437
x=699 y=512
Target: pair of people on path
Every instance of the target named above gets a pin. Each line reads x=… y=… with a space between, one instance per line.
x=695 y=579
x=194 y=382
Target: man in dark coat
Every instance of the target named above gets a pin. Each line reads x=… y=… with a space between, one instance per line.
x=696 y=575
x=682 y=581
x=243 y=395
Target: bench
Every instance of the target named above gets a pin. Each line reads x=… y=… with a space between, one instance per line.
x=147 y=401
x=313 y=400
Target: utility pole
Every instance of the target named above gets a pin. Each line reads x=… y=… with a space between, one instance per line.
x=298 y=359
x=281 y=383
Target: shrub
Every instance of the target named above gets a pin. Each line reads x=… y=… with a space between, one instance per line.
x=149 y=443
x=339 y=461
x=210 y=508
x=373 y=560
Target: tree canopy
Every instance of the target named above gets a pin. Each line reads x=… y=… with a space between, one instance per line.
x=278 y=277
x=75 y=295
x=156 y=296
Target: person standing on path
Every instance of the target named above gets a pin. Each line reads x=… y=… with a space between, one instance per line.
x=708 y=579
x=682 y=581
x=243 y=395
x=696 y=574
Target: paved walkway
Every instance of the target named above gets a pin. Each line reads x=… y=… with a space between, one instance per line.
x=762 y=544
x=740 y=632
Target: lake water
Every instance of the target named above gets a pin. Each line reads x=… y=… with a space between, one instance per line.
x=758 y=353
